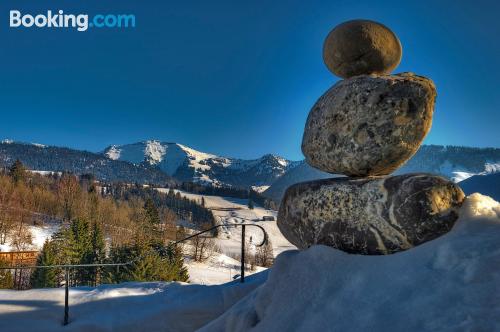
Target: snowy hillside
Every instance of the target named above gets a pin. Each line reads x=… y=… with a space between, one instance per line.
x=488 y=184
x=187 y=164
x=229 y=210
x=455 y=162
x=448 y=284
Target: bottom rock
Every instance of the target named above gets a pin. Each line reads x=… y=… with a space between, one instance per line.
x=379 y=215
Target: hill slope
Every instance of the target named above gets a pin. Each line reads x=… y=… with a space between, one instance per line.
x=485 y=184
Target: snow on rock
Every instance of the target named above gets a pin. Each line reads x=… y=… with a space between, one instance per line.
x=152 y=306
x=449 y=284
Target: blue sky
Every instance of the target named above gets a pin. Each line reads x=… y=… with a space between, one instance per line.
x=230 y=78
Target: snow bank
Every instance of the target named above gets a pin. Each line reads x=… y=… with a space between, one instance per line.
x=449 y=284
x=125 y=307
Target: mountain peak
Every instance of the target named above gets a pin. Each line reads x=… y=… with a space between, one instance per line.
x=188 y=164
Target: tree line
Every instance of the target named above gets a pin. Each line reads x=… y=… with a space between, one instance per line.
x=99 y=224
x=227 y=191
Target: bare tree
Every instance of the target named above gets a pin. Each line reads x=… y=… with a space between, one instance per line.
x=21 y=237
x=264 y=255
x=202 y=246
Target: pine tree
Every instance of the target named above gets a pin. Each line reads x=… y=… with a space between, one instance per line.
x=83 y=252
x=150 y=263
x=98 y=253
x=17 y=171
x=250 y=204
x=6 y=279
x=43 y=278
x=152 y=221
x=152 y=214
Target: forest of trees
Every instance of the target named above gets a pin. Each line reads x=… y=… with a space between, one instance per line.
x=183 y=207
x=99 y=224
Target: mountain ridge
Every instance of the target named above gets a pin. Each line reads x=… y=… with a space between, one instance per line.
x=163 y=163
x=39 y=157
x=187 y=164
x=455 y=162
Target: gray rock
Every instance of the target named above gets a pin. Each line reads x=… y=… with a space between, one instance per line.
x=367 y=125
x=361 y=47
x=370 y=216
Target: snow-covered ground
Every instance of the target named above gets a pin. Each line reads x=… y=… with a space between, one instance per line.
x=229 y=211
x=448 y=284
x=218 y=269
x=38 y=236
x=133 y=307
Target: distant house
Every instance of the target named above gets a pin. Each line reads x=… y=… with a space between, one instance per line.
x=19 y=258
x=268 y=218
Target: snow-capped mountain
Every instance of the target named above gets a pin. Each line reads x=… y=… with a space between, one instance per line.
x=187 y=164
x=455 y=162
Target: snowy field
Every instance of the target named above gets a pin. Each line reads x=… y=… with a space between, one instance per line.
x=229 y=210
x=133 y=307
x=448 y=284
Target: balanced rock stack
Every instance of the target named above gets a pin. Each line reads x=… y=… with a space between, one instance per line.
x=365 y=127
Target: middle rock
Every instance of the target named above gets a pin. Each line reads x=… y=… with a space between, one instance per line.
x=369 y=125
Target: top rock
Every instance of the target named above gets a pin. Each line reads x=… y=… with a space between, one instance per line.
x=361 y=47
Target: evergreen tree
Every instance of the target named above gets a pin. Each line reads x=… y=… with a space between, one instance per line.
x=98 y=253
x=83 y=252
x=43 y=278
x=150 y=263
x=17 y=171
x=250 y=204
x=6 y=280
x=152 y=214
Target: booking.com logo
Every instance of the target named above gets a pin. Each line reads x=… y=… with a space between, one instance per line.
x=61 y=20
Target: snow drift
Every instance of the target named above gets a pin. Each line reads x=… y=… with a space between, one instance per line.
x=448 y=284
x=149 y=306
